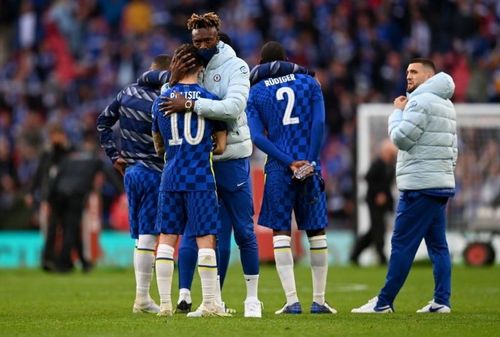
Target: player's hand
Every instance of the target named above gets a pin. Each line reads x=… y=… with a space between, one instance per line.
x=302 y=169
x=175 y=104
x=400 y=102
x=179 y=66
x=294 y=166
x=120 y=164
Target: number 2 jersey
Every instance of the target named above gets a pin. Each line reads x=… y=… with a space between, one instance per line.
x=188 y=143
x=290 y=109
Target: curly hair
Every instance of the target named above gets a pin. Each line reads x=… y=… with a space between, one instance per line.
x=206 y=20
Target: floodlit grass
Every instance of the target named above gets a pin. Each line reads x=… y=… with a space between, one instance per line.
x=33 y=303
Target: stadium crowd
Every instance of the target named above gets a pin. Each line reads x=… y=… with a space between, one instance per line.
x=64 y=60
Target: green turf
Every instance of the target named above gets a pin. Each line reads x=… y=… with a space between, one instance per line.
x=33 y=303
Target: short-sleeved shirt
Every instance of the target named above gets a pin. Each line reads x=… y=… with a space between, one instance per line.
x=283 y=105
x=188 y=143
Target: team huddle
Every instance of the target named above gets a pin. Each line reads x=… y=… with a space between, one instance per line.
x=187 y=130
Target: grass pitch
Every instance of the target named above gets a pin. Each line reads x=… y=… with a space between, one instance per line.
x=33 y=303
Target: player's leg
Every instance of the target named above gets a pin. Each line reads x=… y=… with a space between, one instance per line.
x=170 y=221
x=165 y=272
x=437 y=247
x=223 y=242
x=318 y=252
x=234 y=189
x=412 y=223
x=223 y=251
x=276 y=213
x=188 y=255
x=311 y=216
x=203 y=221
x=239 y=207
x=144 y=259
x=207 y=269
x=283 y=259
x=187 y=258
x=142 y=213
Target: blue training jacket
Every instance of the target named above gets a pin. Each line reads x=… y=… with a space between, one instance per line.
x=132 y=107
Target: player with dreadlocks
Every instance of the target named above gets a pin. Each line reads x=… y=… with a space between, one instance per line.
x=226 y=76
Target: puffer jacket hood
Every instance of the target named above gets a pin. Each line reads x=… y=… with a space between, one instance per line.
x=440 y=84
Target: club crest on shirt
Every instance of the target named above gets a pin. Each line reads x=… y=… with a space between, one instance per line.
x=244 y=69
x=217 y=77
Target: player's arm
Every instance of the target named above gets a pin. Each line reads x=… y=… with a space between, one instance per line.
x=318 y=124
x=406 y=127
x=259 y=138
x=105 y=121
x=159 y=145
x=155 y=131
x=109 y=174
x=155 y=76
x=220 y=139
x=276 y=69
x=229 y=108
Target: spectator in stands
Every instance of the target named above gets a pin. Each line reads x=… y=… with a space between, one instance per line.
x=137 y=17
x=364 y=70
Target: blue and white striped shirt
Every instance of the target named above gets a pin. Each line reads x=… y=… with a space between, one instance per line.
x=132 y=107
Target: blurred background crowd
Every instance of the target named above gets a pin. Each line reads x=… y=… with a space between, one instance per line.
x=65 y=60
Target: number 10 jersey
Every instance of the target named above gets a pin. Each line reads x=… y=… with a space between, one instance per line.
x=188 y=143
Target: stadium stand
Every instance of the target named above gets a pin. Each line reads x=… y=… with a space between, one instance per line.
x=64 y=60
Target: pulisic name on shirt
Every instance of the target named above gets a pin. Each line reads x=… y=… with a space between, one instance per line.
x=187 y=94
x=278 y=80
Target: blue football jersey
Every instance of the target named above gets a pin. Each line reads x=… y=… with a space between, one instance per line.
x=285 y=107
x=188 y=143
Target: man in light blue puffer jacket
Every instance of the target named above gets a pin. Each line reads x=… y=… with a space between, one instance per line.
x=423 y=127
